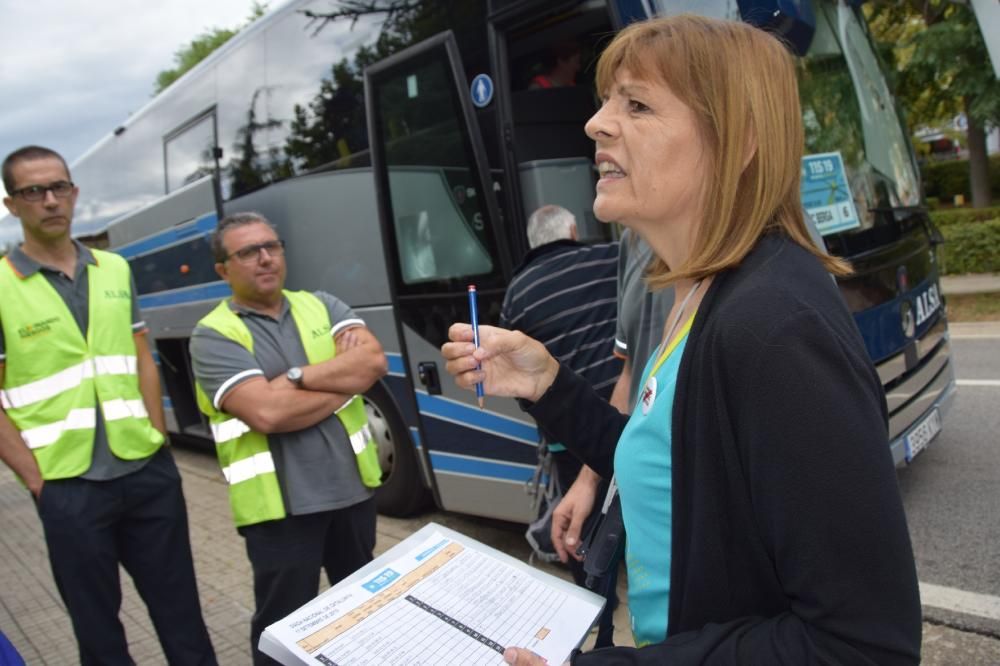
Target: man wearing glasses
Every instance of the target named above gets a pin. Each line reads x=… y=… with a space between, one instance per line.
x=82 y=424
x=279 y=374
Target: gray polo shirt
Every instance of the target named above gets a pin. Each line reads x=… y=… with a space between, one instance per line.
x=642 y=314
x=316 y=467
x=105 y=465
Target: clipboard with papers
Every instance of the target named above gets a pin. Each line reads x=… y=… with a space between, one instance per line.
x=437 y=597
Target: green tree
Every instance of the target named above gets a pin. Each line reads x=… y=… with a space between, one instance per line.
x=201 y=47
x=942 y=69
x=249 y=170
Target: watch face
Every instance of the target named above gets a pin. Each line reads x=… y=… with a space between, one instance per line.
x=295 y=375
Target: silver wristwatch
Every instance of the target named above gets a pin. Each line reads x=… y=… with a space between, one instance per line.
x=295 y=376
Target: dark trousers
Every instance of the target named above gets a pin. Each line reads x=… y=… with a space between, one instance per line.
x=567 y=467
x=140 y=521
x=286 y=556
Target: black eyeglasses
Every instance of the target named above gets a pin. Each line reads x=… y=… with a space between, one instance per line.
x=251 y=253
x=59 y=189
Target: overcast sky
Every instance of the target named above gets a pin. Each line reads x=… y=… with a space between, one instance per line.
x=73 y=70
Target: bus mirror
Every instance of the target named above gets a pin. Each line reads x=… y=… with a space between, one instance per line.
x=791 y=20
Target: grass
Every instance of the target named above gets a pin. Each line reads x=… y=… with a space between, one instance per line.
x=974 y=307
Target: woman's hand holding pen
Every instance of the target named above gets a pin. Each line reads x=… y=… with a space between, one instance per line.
x=512 y=364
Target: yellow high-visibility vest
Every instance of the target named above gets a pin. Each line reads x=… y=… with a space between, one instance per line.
x=244 y=454
x=55 y=379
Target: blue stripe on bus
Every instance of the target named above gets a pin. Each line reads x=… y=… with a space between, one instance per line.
x=200 y=227
x=415 y=434
x=443 y=462
x=458 y=438
x=203 y=292
x=430 y=405
x=396 y=366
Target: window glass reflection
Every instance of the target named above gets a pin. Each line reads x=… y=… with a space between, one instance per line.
x=437 y=206
x=847 y=107
x=189 y=153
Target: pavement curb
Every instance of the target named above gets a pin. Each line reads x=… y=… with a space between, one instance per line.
x=972 y=283
x=974 y=329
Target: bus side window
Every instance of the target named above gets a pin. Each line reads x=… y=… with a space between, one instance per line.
x=189 y=152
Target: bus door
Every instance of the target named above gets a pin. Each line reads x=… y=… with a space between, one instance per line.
x=548 y=53
x=440 y=227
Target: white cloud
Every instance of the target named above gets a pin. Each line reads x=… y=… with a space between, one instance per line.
x=72 y=71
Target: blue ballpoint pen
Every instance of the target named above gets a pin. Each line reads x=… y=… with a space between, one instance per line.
x=474 y=315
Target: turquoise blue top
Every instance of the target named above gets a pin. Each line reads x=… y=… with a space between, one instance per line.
x=643 y=466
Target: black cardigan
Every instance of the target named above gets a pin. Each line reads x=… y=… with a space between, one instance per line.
x=789 y=541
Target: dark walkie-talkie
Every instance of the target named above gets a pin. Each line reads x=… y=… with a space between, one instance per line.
x=603 y=546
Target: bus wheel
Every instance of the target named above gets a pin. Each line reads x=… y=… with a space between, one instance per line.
x=402 y=492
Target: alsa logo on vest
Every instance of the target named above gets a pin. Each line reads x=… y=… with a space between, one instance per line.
x=117 y=293
x=319 y=332
x=38 y=328
x=927 y=303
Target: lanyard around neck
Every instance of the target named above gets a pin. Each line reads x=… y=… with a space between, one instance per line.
x=673 y=343
x=613 y=485
x=665 y=348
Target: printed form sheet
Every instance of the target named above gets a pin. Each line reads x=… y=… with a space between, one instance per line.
x=445 y=601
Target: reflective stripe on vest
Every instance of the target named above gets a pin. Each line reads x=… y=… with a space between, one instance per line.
x=248 y=468
x=245 y=455
x=118 y=409
x=77 y=419
x=364 y=436
x=83 y=418
x=224 y=431
x=361 y=439
x=65 y=380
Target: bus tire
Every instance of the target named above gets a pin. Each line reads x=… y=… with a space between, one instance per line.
x=402 y=492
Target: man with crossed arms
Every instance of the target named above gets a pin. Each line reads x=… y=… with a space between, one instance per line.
x=279 y=375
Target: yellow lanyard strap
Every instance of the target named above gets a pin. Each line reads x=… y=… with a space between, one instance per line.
x=673 y=343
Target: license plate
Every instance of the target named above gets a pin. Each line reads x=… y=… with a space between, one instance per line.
x=920 y=437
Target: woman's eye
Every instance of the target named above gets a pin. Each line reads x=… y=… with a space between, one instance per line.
x=635 y=106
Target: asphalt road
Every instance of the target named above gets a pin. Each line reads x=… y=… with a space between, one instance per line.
x=951 y=493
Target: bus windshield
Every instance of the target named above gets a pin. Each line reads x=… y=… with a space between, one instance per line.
x=847 y=108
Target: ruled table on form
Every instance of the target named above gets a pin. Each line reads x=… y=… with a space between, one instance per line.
x=446 y=603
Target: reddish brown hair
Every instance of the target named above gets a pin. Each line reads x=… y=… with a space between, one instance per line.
x=740 y=82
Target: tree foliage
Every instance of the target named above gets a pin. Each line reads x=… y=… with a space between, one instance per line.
x=942 y=69
x=940 y=59
x=329 y=131
x=199 y=48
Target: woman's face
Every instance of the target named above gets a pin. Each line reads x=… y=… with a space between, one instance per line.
x=650 y=156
